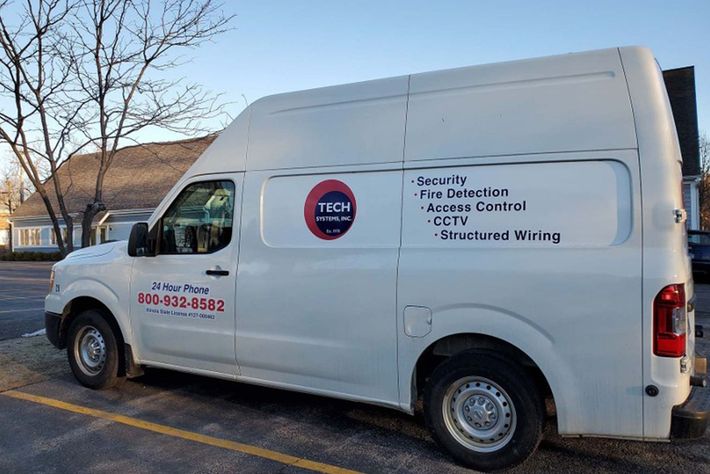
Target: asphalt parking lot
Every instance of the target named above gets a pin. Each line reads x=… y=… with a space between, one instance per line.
x=23 y=286
x=166 y=421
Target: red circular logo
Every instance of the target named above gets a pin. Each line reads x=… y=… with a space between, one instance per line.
x=330 y=209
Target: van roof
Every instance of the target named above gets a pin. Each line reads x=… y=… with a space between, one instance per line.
x=571 y=102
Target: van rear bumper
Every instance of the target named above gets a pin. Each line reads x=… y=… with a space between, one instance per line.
x=689 y=420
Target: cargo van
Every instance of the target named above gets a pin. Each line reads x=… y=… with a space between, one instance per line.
x=500 y=242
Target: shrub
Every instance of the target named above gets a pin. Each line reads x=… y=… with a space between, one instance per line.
x=31 y=256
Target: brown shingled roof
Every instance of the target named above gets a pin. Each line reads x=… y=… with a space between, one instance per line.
x=138 y=178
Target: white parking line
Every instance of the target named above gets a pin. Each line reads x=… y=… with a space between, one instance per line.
x=19 y=279
x=24 y=289
x=11 y=298
x=21 y=310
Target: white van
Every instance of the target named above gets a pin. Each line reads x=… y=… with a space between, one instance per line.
x=491 y=240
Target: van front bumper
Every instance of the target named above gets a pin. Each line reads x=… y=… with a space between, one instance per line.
x=52 y=323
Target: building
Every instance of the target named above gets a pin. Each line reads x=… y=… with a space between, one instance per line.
x=680 y=84
x=136 y=182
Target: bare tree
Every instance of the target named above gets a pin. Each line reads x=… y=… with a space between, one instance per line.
x=34 y=79
x=123 y=43
x=91 y=74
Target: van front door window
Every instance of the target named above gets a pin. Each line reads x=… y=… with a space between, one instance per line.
x=199 y=220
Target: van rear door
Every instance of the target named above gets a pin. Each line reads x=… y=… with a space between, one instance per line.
x=665 y=252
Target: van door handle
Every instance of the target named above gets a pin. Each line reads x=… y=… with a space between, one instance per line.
x=217 y=272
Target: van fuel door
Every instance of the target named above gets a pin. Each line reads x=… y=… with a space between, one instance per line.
x=417 y=321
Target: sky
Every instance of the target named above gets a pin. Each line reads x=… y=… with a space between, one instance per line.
x=280 y=46
x=286 y=45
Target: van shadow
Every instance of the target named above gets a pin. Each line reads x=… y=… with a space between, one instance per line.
x=376 y=426
x=386 y=432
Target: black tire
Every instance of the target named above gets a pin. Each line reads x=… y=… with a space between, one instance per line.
x=97 y=366
x=477 y=377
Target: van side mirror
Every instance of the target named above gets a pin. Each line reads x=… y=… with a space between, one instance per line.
x=139 y=243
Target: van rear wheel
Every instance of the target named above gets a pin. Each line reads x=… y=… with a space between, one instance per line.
x=484 y=410
x=93 y=351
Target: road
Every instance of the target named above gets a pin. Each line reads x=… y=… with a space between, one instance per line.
x=23 y=286
x=168 y=421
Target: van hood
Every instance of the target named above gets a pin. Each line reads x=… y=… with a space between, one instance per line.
x=95 y=250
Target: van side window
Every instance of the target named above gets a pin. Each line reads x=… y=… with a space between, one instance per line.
x=199 y=220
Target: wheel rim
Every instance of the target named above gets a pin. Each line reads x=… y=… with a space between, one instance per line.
x=479 y=414
x=90 y=350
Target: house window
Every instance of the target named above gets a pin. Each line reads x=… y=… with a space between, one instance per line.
x=100 y=232
x=53 y=236
x=30 y=237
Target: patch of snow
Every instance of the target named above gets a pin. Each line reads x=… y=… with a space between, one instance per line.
x=40 y=332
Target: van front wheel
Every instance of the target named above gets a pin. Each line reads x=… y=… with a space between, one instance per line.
x=484 y=410
x=93 y=351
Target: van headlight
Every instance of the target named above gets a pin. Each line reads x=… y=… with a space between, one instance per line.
x=51 y=281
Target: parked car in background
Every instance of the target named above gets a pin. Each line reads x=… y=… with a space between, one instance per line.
x=699 y=248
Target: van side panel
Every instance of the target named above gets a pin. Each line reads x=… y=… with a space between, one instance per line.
x=353 y=124
x=548 y=260
x=317 y=302
x=665 y=254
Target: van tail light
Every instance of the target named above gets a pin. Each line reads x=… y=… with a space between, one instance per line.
x=670 y=322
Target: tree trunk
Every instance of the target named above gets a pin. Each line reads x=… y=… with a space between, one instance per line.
x=89 y=213
x=55 y=224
